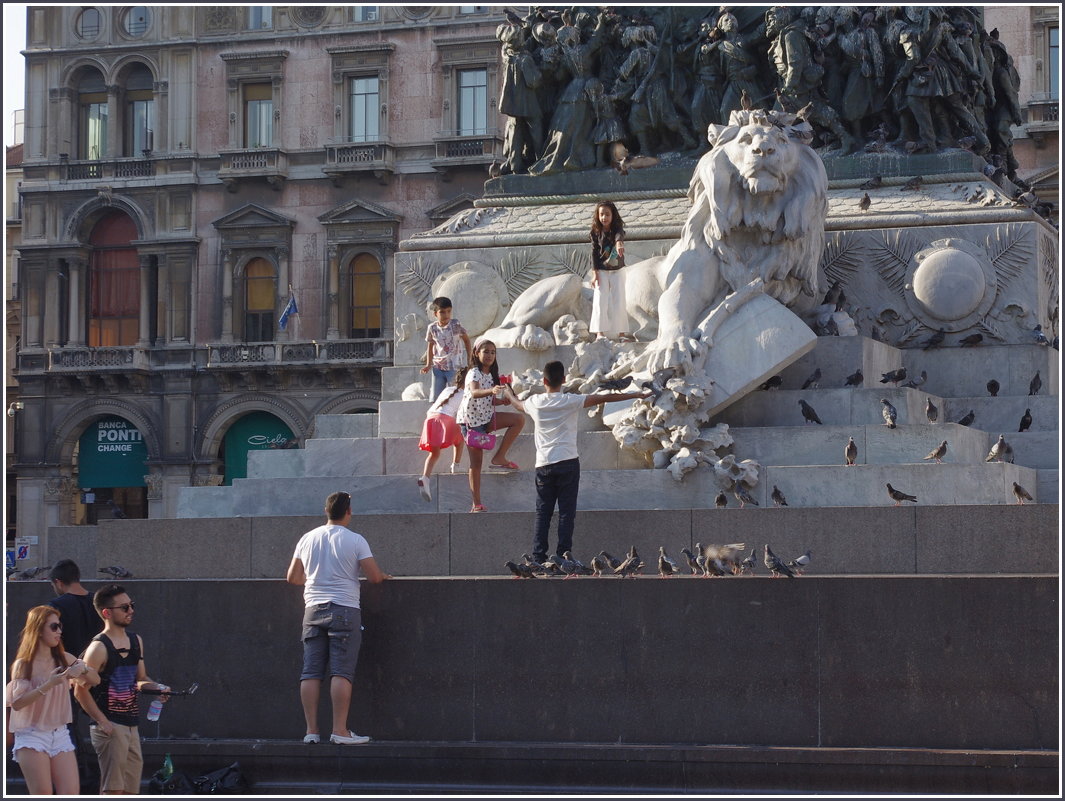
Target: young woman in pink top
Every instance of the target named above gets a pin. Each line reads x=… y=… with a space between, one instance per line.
x=39 y=697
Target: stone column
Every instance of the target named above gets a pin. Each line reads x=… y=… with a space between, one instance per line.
x=334 y=294
x=114 y=132
x=31 y=307
x=227 y=296
x=163 y=326
x=283 y=281
x=144 y=333
x=76 y=317
x=51 y=309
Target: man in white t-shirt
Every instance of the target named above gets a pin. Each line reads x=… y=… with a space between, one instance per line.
x=558 y=468
x=327 y=563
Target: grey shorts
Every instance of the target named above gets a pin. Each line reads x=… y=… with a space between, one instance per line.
x=331 y=632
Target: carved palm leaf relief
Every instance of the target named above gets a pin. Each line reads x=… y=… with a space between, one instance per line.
x=573 y=260
x=891 y=256
x=841 y=258
x=519 y=271
x=417 y=276
x=1009 y=252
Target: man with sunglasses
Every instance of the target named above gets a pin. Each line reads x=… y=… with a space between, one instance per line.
x=327 y=563
x=118 y=655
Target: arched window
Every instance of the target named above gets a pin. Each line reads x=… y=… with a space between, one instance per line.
x=260 y=291
x=92 y=116
x=365 y=278
x=140 y=112
x=114 y=283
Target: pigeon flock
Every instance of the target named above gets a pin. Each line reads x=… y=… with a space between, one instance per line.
x=707 y=561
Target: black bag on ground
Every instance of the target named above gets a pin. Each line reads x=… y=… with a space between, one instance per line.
x=175 y=784
x=228 y=780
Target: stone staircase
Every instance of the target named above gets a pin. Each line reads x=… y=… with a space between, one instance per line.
x=377 y=457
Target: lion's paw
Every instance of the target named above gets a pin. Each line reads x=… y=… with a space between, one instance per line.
x=675 y=354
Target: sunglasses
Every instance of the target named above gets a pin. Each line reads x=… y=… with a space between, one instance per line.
x=124 y=607
x=55 y=626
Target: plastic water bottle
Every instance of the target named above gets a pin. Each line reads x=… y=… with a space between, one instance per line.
x=155 y=708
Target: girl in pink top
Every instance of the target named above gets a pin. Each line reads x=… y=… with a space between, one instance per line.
x=39 y=698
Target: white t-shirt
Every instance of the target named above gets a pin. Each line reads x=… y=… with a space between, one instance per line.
x=477 y=411
x=555 y=417
x=448 y=402
x=330 y=556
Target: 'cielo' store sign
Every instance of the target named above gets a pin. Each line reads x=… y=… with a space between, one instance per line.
x=112 y=453
x=257 y=431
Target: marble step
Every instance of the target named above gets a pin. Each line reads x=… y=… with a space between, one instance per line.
x=405 y=418
x=811 y=486
x=1003 y=414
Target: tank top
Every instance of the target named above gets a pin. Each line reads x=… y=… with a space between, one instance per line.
x=116 y=694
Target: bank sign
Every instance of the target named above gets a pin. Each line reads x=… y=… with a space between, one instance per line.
x=112 y=453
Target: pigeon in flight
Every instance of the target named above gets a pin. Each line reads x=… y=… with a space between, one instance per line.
x=616 y=384
x=914 y=383
x=889 y=412
x=972 y=339
x=722 y=560
x=851 y=452
x=30 y=573
x=930 y=410
x=666 y=566
x=800 y=563
x=937 y=452
x=778 y=497
x=742 y=495
x=809 y=414
x=117 y=571
x=1020 y=493
x=772 y=383
x=1035 y=385
x=968 y=419
x=1026 y=421
x=813 y=382
x=935 y=340
x=893 y=376
x=721 y=501
x=855 y=379
x=776 y=566
x=898 y=496
x=657 y=384
x=993 y=388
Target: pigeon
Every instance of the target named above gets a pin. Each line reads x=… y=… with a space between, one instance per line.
x=746 y=103
x=1026 y=421
x=967 y=142
x=993 y=388
x=913 y=185
x=831 y=328
x=748 y=563
x=117 y=571
x=1001 y=451
x=893 y=376
x=536 y=568
x=935 y=340
x=721 y=501
x=875 y=334
x=873 y=183
x=616 y=384
x=778 y=497
x=520 y=571
x=889 y=412
x=693 y=563
x=914 y=383
x=937 y=452
x=613 y=561
x=30 y=573
x=631 y=566
x=775 y=566
x=742 y=495
x=833 y=294
x=865 y=202
x=968 y=419
x=1020 y=493
x=813 y=381
x=898 y=496
x=623 y=161
x=657 y=384
x=850 y=453
x=855 y=379
x=972 y=339
x=930 y=410
x=800 y=563
x=722 y=560
x=116 y=511
x=1039 y=337
x=666 y=566
x=600 y=565
x=572 y=566
x=772 y=383
x=809 y=414
x=553 y=565
x=1035 y=385
x=700 y=560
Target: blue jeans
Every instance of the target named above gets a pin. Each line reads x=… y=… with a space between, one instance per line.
x=442 y=379
x=556 y=483
x=331 y=632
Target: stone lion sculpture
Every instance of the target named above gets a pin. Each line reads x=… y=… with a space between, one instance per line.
x=759 y=201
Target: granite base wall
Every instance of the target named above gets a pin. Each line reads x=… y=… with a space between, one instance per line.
x=895 y=661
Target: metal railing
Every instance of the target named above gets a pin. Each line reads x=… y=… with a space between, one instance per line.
x=292 y=353
x=99 y=170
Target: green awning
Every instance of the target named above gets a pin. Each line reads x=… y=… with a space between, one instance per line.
x=256 y=431
x=111 y=453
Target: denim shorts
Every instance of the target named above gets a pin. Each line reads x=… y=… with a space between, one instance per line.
x=52 y=742
x=331 y=632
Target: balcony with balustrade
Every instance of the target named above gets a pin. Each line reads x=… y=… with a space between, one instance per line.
x=359 y=158
x=463 y=150
x=269 y=163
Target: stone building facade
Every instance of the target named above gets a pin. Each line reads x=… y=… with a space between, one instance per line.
x=189 y=171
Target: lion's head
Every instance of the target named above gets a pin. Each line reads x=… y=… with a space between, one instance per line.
x=764 y=158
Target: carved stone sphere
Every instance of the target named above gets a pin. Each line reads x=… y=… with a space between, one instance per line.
x=950 y=284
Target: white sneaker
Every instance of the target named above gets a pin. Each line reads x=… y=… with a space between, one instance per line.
x=454 y=468
x=311 y=738
x=351 y=739
x=423 y=488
